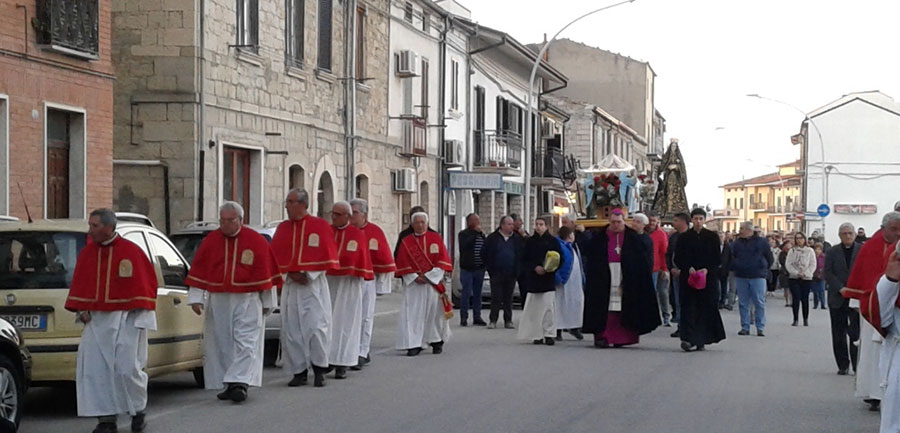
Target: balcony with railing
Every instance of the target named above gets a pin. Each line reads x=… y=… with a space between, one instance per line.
x=498 y=152
x=549 y=166
x=759 y=206
x=726 y=213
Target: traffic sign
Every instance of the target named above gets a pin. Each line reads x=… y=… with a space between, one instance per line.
x=823 y=210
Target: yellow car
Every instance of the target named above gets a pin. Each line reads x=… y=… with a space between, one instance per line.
x=37 y=261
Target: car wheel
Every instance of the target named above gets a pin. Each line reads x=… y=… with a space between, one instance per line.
x=198 y=377
x=12 y=390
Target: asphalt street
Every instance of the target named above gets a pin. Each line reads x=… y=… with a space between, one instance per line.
x=487 y=381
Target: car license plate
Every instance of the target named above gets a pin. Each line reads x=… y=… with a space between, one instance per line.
x=28 y=322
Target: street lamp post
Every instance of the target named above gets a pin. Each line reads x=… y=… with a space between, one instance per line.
x=528 y=123
x=807 y=119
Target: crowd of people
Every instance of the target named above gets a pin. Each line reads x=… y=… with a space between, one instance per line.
x=616 y=283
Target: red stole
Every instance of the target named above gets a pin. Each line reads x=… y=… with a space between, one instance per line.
x=871 y=261
x=113 y=277
x=352 y=253
x=379 y=249
x=305 y=245
x=420 y=254
x=239 y=264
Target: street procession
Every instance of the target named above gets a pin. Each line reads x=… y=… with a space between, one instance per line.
x=449 y=215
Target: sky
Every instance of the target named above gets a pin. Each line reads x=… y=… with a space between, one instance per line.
x=709 y=54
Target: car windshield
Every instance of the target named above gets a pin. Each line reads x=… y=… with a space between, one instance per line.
x=39 y=260
x=187 y=244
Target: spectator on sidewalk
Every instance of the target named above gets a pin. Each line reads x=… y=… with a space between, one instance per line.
x=783 y=276
x=801 y=264
x=818 y=284
x=750 y=261
x=521 y=234
x=501 y=255
x=660 y=271
x=680 y=222
x=844 y=320
x=775 y=269
x=723 y=272
x=471 y=274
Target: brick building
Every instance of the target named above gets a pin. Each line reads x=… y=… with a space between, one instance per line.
x=56 y=101
x=276 y=100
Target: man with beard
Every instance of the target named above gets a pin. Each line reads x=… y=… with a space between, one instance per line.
x=620 y=302
x=697 y=252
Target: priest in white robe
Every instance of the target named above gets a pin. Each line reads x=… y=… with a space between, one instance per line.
x=305 y=248
x=346 y=285
x=569 y=306
x=888 y=289
x=422 y=260
x=233 y=279
x=113 y=292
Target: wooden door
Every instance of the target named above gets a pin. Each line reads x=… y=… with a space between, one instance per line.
x=58 y=147
x=236 y=168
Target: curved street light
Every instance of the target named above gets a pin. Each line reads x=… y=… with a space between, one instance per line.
x=529 y=124
x=806 y=119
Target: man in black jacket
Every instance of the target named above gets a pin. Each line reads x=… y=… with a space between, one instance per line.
x=501 y=255
x=844 y=320
x=471 y=274
x=680 y=222
x=722 y=274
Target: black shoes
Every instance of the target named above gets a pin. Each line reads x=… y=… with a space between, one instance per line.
x=106 y=427
x=577 y=334
x=549 y=341
x=437 y=348
x=414 y=351
x=299 y=379
x=236 y=392
x=759 y=333
x=743 y=332
x=794 y=323
x=601 y=343
x=805 y=322
x=138 y=422
x=874 y=405
x=363 y=360
x=340 y=372
x=842 y=372
x=509 y=325
x=536 y=342
x=319 y=373
x=559 y=335
x=675 y=334
x=479 y=322
x=685 y=346
x=463 y=323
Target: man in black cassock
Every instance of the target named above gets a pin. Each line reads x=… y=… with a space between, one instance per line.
x=617 y=253
x=698 y=251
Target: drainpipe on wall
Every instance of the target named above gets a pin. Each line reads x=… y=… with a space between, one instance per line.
x=442 y=118
x=201 y=154
x=350 y=97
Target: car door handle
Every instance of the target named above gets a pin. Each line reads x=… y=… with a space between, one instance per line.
x=176 y=301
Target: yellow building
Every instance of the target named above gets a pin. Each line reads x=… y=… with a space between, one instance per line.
x=770 y=201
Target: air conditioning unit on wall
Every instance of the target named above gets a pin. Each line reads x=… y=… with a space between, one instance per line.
x=407 y=62
x=454 y=153
x=403 y=180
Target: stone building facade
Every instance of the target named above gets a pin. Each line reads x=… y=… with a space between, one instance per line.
x=56 y=102
x=268 y=106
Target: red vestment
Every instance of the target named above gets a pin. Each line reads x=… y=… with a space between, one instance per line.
x=239 y=264
x=352 y=253
x=305 y=245
x=379 y=249
x=113 y=277
x=420 y=254
x=871 y=261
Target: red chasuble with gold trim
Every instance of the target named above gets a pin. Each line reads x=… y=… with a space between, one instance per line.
x=113 y=277
x=305 y=245
x=379 y=249
x=352 y=253
x=871 y=261
x=420 y=254
x=239 y=264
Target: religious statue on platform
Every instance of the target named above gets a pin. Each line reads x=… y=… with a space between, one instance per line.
x=670 y=196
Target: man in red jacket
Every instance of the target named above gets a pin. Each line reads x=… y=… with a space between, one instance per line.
x=660 y=270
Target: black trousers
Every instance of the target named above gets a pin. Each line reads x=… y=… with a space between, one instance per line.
x=844 y=331
x=501 y=297
x=800 y=296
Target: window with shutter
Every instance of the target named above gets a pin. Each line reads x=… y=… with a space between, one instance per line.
x=360 y=43
x=425 y=78
x=324 y=55
x=248 y=24
x=454 y=85
x=294 y=22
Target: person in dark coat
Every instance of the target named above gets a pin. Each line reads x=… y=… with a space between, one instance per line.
x=839 y=261
x=502 y=254
x=620 y=300
x=698 y=251
x=723 y=271
x=536 y=323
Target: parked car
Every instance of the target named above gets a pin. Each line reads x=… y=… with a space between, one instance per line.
x=188 y=240
x=15 y=375
x=518 y=300
x=134 y=218
x=37 y=262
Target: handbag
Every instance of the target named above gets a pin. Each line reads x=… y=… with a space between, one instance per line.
x=697 y=280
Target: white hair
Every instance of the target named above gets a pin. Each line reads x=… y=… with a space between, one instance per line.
x=747 y=225
x=343 y=204
x=641 y=218
x=889 y=218
x=846 y=226
x=361 y=204
x=302 y=195
x=232 y=205
x=418 y=214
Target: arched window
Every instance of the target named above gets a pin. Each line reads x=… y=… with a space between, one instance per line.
x=296 y=177
x=423 y=196
x=325 y=197
x=362 y=187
